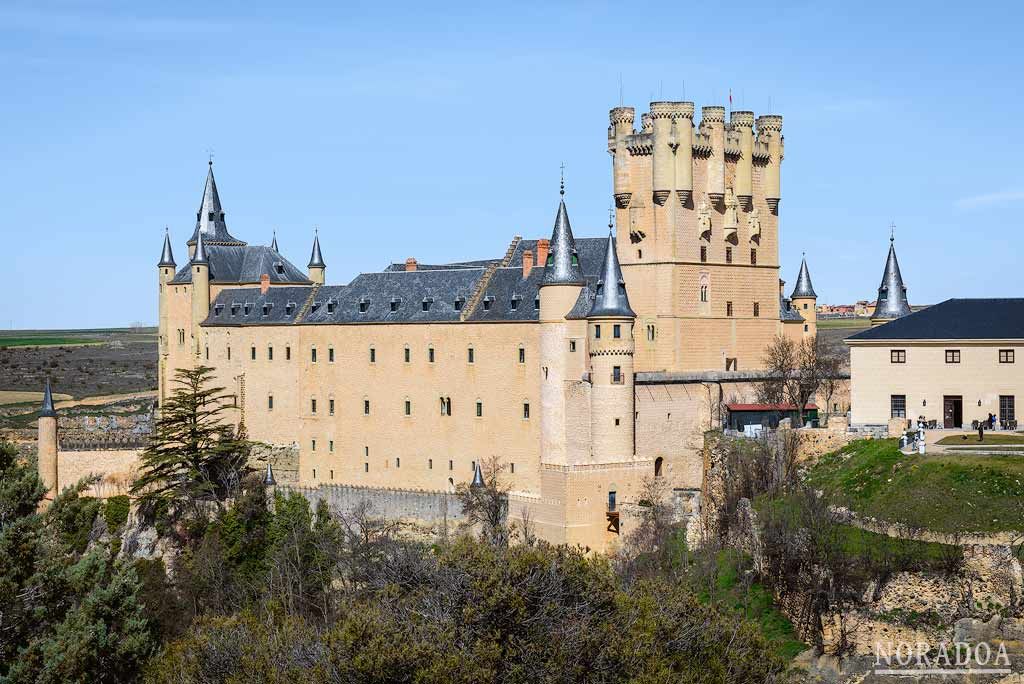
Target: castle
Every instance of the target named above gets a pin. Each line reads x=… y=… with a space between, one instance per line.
x=584 y=364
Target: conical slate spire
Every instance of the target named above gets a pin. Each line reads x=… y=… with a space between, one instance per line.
x=200 y=255
x=478 y=477
x=611 y=300
x=47 y=410
x=892 y=293
x=273 y=243
x=316 y=260
x=563 y=266
x=803 y=283
x=167 y=257
x=268 y=478
x=210 y=217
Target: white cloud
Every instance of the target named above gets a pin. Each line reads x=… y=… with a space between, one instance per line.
x=989 y=199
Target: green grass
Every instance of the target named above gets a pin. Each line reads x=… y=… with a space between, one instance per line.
x=943 y=492
x=45 y=341
x=990 y=438
x=826 y=323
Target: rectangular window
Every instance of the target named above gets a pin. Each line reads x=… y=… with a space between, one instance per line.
x=512 y=466
x=312 y=405
x=398 y=462
x=617 y=375
x=366 y=467
x=470 y=356
x=312 y=355
x=270 y=403
x=332 y=474
x=1006 y=356
x=898 y=406
x=313 y=445
x=330 y=447
x=430 y=464
x=572 y=345
x=366 y=407
x=253 y=353
x=287 y=353
x=728 y=308
x=451 y=465
x=522 y=355
x=526 y=411
x=898 y=356
x=373 y=355
x=753 y=257
x=330 y=355
x=1007 y=411
x=479 y=409
x=229 y=353
x=408 y=407
x=207 y=353
x=757 y=310
x=617 y=331
x=430 y=355
x=597 y=332
x=408 y=355
x=952 y=356
x=728 y=255
x=650 y=333
x=314 y=473
x=270 y=353
x=703 y=254
x=330 y=406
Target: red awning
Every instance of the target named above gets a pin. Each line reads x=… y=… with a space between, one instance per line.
x=768 y=407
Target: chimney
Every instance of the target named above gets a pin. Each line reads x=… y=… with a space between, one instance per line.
x=264 y=283
x=410 y=264
x=527 y=262
x=542 y=252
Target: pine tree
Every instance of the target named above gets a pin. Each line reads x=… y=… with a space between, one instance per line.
x=194 y=456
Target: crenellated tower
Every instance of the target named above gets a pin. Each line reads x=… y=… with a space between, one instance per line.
x=704 y=267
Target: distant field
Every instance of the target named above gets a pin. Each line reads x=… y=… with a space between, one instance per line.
x=15 y=397
x=45 y=341
x=844 y=323
x=990 y=438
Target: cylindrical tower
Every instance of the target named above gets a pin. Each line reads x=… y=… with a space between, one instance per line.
x=713 y=123
x=621 y=127
x=200 y=266
x=769 y=131
x=165 y=273
x=682 y=133
x=664 y=166
x=610 y=350
x=805 y=300
x=317 y=267
x=743 y=123
x=46 y=444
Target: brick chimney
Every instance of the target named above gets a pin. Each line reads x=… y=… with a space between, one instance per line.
x=264 y=283
x=410 y=264
x=527 y=262
x=542 y=252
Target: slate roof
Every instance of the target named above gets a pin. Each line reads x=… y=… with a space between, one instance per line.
x=47 y=410
x=210 y=217
x=803 y=288
x=511 y=297
x=247 y=306
x=563 y=267
x=892 y=293
x=368 y=298
x=244 y=264
x=787 y=312
x=955 y=319
x=610 y=298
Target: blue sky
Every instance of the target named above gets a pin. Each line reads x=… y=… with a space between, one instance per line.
x=437 y=132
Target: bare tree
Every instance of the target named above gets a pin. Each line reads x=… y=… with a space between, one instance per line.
x=487 y=505
x=831 y=364
x=794 y=373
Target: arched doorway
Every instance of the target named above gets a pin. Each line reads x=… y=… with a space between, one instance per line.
x=658 y=463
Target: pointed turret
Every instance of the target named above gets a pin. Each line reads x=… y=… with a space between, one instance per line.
x=892 y=293
x=804 y=289
x=268 y=478
x=199 y=257
x=47 y=410
x=273 y=243
x=210 y=217
x=563 y=262
x=611 y=300
x=478 y=477
x=167 y=256
x=316 y=261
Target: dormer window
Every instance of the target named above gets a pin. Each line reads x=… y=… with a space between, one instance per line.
x=536 y=304
x=278 y=268
x=364 y=305
x=247 y=308
x=575 y=259
x=550 y=261
x=211 y=215
x=514 y=304
x=234 y=308
x=488 y=300
x=217 y=309
x=266 y=309
x=395 y=303
x=458 y=303
x=331 y=304
x=314 y=306
x=290 y=307
x=427 y=301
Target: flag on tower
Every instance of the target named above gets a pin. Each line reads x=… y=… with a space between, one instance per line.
x=730 y=98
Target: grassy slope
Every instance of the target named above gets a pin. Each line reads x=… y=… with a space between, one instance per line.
x=944 y=493
x=827 y=323
x=990 y=438
x=43 y=341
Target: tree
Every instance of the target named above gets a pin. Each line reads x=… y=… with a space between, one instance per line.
x=794 y=373
x=487 y=505
x=195 y=456
x=832 y=363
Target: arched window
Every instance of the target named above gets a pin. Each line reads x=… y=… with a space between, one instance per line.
x=658 y=463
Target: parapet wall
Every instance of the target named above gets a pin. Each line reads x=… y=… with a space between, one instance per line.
x=116 y=468
x=410 y=505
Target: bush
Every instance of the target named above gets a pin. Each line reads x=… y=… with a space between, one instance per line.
x=115 y=511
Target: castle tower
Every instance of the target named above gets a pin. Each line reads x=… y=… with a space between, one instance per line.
x=317 y=267
x=210 y=218
x=892 y=293
x=743 y=125
x=165 y=273
x=200 y=266
x=47 y=443
x=769 y=136
x=559 y=291
x=610 y=349
x=805 y=300
x=712 y=125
